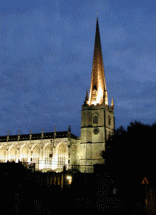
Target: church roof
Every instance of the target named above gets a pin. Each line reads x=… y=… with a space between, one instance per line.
x=38 y=136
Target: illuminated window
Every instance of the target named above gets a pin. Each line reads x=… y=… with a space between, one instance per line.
x=24 y=154
x=62 y=155
x=12 y=154
x=48 y=156
x=95 y=119
x=2 y=155
x=35 y=155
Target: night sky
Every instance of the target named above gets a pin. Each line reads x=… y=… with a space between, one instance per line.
x=46 y=54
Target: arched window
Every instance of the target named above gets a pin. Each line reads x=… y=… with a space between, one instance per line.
x=95 y=119
x=36 y=155
x=13 y=152
x=48 y=156
x=62 y=155
x=24 y=154
x=2 y=155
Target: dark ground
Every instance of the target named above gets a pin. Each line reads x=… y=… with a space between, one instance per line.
x=22 y=192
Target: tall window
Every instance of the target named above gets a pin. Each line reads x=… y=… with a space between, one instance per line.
x=48 y=158
x=62 y=155
x=95 y=119
x=109 y=120
x=24 y=154
x=13 y=151
x=2 y=155
x=36 y=155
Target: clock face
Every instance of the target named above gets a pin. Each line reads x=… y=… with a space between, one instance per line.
x=96 y=130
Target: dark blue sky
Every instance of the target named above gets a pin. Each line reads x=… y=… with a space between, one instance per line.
x=46 y=53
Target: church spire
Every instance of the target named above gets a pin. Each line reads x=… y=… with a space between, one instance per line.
x=98 y=91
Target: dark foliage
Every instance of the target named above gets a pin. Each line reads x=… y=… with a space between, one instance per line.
x=130 y=156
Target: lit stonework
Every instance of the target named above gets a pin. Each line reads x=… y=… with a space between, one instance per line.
x=47 y=152
x=98 y=89
x=97 y=117
x=51 y=151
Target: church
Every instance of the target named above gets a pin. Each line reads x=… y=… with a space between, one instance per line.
x=52 y=151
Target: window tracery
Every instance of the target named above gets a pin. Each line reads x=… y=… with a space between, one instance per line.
x=24 y=154
x=2 y=154
x=62 y=155
x=13 y=152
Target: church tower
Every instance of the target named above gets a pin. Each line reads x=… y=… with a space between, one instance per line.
x=97 y=118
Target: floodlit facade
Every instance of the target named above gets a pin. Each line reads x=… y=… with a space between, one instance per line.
x=51 y=151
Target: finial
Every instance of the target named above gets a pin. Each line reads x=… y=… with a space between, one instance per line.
x=96 y=16
x=55 y=132
x=30 y=134
x=69 y=128
x=8 y=136
x=42 y=134
x=87 y=94
x=112 y=103
x=18 y=135
x=86 y=99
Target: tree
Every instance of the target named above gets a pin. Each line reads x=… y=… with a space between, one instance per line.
x=130 y=156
